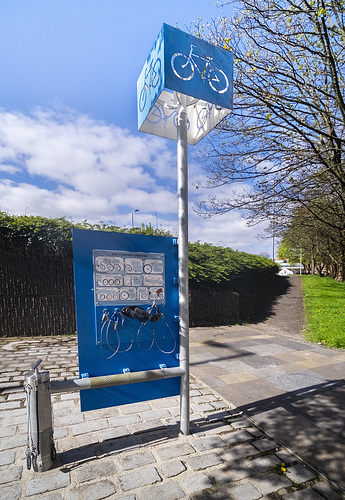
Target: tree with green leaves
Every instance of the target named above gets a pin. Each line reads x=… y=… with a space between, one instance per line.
x=251 y=276
x=322 y=246
x=283 y=146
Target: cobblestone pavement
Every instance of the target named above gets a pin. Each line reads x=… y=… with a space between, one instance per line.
x=135 y=452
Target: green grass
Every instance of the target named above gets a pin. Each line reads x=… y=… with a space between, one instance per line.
x=324 y=301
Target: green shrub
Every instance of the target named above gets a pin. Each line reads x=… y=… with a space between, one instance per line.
x=209 y=266
x=251 y=276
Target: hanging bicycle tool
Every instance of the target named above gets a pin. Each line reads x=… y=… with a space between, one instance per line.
x=139 y=313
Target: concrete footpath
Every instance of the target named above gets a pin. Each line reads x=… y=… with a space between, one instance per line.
x=135 y=452
x=292 y=389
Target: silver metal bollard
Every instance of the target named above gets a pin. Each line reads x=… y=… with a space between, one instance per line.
x=40 y=451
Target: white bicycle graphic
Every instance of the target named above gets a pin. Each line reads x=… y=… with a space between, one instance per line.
x=203 y=115
x=158 y=113
x=152 y=77
x=185 y=66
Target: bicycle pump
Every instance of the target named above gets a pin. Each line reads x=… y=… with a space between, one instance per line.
x=40 y=451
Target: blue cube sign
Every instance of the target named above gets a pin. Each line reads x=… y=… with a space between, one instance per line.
x=182 y=63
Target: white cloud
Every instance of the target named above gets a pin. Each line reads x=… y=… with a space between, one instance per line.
x=228 y=230
x=69 y=148
x=8 y=168
x=85 y=159
x=65 y=164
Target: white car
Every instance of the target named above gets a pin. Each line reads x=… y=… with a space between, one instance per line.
x=285 y=272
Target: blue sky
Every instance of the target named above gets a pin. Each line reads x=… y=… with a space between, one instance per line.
x=69 y=144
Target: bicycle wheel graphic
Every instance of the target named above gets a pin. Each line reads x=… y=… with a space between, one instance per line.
x=142 y=98
x=155 y=115
x=218 y=80
x=202 y=117
x=182 y=66
x=156 y=72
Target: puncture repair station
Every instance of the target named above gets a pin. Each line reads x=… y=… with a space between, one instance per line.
x=131 y=290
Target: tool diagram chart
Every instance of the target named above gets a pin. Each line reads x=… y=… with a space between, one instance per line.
x=127 y=313
x=122 y=277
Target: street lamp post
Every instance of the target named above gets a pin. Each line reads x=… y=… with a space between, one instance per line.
x=136 y=210
x=273 y=221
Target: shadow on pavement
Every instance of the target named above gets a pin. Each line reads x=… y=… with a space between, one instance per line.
x=278 y=287
x=288 y=398
x=72 y=458
x=309 y=421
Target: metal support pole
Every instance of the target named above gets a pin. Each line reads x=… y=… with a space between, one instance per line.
x=182 y=179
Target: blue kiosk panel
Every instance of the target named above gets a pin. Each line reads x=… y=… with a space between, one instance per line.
x=127 y=309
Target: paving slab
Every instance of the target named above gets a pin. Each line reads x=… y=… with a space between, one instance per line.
x=135 y=452
x=289 y=389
